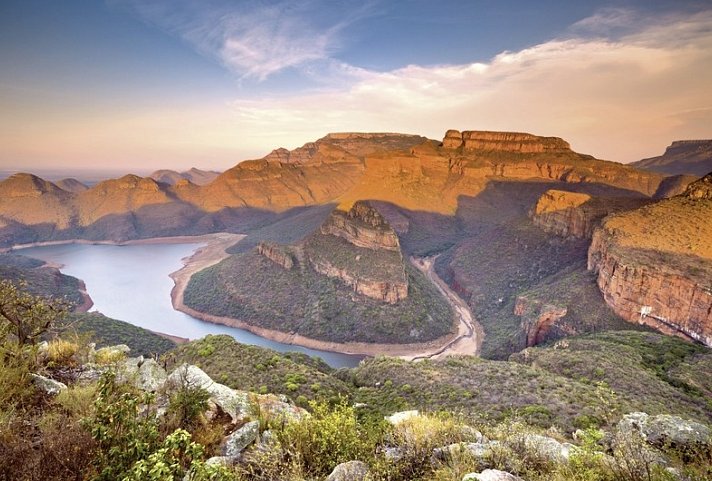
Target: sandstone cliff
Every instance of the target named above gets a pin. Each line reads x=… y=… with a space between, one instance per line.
x=475 y=140
x=571 y=214
x=280 y=255
x=537 y=318
x=362 y=226
x=654 y=264
x=681 y=157
x=361 y=249
x=408 y=171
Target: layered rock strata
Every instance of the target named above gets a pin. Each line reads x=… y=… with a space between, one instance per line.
x=571 y=214
x=361 y=249
x=654 y=264
x=472 y=140
x=537 y=318
x=280 y=255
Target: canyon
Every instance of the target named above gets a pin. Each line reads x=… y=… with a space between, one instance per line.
x=350 y=207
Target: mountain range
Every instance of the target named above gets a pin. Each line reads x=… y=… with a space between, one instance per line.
x=589 y=244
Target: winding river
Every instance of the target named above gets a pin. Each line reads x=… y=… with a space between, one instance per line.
x=132 y=283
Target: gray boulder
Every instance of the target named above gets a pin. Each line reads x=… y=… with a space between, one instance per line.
x=491 y=475
x=235 y=403
x=543 y=447
x=47 y=385
x=151 y=376
x=109 y=354
x=236 y=442
x=350 y=471
x=476 y=451
x=397 y=418
x=667 y=431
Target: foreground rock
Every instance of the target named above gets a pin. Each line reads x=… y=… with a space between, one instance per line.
x=665 y=431
x=234 y=403
x=491 y=475
x=47 y=385
x=350 y=471
x=236 y=442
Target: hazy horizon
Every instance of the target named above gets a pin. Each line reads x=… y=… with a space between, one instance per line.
x=148 y=85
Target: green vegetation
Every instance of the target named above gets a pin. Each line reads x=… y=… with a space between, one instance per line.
x=253 y=289
x=261 y=370
x=41 y=281
x=588 y=380
x=106 y=331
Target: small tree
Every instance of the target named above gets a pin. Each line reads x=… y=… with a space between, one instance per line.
x=26 y=316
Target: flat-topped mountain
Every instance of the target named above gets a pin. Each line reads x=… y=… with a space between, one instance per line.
x=476 y=140
x=681 y=157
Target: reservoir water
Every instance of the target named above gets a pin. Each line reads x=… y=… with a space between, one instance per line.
x=131 y=283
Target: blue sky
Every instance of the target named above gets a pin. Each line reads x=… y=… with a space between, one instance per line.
x=137 y=85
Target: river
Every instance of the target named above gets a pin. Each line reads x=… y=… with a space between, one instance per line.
x=131 y=283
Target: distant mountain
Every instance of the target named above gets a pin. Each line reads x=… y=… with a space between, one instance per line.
x=71 y=185
x=195 y=176
x=681 y=157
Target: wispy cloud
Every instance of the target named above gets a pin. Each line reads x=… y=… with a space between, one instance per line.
x=255 y=39
x=620 y=99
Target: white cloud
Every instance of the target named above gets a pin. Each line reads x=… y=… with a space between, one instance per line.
x=620 y=99
x=253 y=39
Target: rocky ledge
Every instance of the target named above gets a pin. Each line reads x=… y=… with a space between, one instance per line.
x=571 y=214
x=474 y=140
x=654 y=264
x=362 y=226
x=537 y=318
x=278 y=254
x=360 y=248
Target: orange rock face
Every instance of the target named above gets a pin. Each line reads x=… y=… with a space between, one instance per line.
x=537 y=318
x=362 y=226
x=571 y=214
x=654 y=264
x=361 y=249
x=503 y=142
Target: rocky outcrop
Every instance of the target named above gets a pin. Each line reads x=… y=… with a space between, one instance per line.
x=349 y=471
x=386 y=291
x=476 y=140
x=277 y=254
x=571 y=214
x=666 y=431
x=368 y=256
x=700 y=190
x=362 y=226
x=654 y=264
x=537 y=318
x=681 y=157
x=651 y=294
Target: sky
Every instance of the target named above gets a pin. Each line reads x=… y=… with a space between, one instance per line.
x=137 y=85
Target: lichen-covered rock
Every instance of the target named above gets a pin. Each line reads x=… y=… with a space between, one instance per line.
x=109 y=354
x=478 y=452
x=151 y=376
x=275 y=408
x=349 y=471
x=47 y=385
x=665 y=430
x=237 y=441
x=234 y=403
x=491 y=475
x=543 y=447
x=396 y=418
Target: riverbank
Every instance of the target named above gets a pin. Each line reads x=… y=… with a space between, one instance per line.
x=464 y=341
